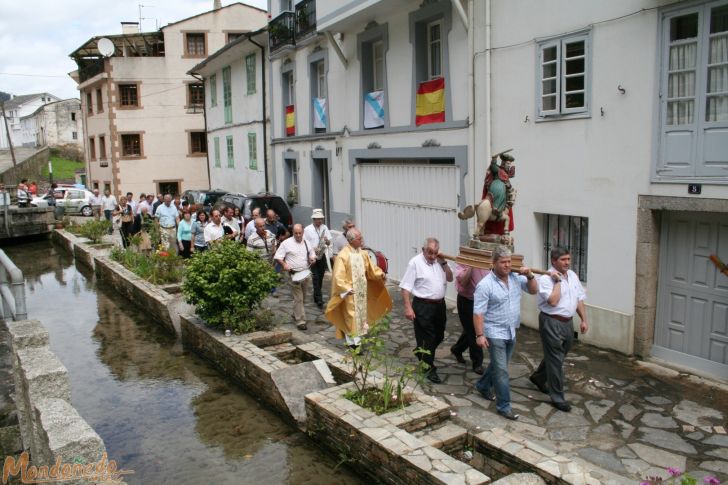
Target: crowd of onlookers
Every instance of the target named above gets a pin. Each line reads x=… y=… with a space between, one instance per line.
x=184 y=227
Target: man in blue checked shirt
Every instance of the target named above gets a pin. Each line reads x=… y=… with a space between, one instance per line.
x=496 y=316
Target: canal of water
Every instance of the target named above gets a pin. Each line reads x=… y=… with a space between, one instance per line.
x=162 y=412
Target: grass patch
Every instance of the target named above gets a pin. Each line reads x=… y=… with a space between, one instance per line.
x=63 y=168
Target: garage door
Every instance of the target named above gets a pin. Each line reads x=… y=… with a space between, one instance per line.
x=403 y=203
x=692 y=304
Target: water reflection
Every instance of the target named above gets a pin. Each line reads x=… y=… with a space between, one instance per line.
x=162 y=412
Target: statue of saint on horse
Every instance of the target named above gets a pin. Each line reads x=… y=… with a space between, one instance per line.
x=495 y=207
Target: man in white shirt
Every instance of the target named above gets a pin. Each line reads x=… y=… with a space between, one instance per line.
x=294 y=255
x=560 y=295
x=108 y=204
x=340 y=241
x=96 y=204
x=214 y=230
x=250 y=226
x=426 y=279
x=318 y=236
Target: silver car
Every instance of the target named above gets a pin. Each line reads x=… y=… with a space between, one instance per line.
x=77 y=201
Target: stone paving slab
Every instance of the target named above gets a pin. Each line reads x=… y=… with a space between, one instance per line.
x=620 y=405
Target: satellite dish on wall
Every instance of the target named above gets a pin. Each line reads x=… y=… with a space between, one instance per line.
x=106 y=47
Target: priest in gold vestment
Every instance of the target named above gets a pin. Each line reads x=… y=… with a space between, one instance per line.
x=358 y=295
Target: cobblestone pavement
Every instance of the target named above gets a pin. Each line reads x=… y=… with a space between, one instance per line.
x=630 y=418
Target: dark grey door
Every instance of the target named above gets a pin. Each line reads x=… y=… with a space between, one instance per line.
x=692 y=299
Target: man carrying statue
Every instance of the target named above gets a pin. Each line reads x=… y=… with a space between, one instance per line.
x=358 y=295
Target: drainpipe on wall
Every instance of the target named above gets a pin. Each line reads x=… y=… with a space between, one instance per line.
x=204 y=117
x=265 y=112
x=464 y=200
x=488 y=124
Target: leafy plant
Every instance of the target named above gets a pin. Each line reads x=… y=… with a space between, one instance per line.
x=227 y=283
x=159 y=267
x=93 y=230
x=372 y=353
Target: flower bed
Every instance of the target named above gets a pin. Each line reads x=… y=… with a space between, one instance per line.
x=158 y=267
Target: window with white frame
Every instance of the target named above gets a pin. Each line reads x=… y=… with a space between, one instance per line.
x=564 y=75
x=569 y=232
x=378 y=65
x=320 y=70
x=694 y=92
x=227 y=94
x=434 y=49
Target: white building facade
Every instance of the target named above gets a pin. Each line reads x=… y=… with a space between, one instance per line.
x=17 y=108
x=54 y=124
x=235 y=110
x=143 y=114
x=618 y=114
x=346 y=131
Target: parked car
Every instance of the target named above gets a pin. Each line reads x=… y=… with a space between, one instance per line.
x=203 y=198
x=77 y=201
x=247 y=202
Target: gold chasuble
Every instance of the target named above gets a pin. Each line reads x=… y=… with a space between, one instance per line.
x=352 y=314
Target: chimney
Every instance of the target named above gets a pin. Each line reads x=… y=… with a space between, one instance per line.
x=130 y=27
x=217 y=5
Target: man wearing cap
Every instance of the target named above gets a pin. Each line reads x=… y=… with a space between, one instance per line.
x=560 y=295
x=358 y=295
x=295 y=255
x=318 y=237
x=426 y=279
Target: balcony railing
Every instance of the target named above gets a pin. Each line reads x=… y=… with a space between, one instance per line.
x=305 y=18
x=281 y=31
x=88 y=67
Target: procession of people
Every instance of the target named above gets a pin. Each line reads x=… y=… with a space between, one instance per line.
x=488 y=300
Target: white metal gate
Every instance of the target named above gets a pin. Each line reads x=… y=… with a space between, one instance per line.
x=400 y=204
x=692 y=298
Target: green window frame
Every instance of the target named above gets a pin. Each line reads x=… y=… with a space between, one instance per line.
x=227 y=95
x=250 y=73
x=253 y=151
x=230 y=151
x=213 y=91
x=216 y=142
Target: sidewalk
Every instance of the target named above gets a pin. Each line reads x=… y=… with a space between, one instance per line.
x=628 y=418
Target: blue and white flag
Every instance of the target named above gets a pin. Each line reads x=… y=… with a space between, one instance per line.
x=319 y=113
x=374 y=109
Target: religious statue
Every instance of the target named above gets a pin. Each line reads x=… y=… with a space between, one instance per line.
x=495 y=210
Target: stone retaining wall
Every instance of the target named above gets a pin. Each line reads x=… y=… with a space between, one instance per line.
x=50 y=427
x=381 y=449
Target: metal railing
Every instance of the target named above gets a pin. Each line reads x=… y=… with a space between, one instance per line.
x=12 y=289
x=281 y=31
x=305 y=18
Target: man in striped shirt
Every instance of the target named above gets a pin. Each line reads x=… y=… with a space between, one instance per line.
x=496 y=316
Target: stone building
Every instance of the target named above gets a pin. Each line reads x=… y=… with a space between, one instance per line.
x=143 y=115
x=16 y=108
x=54 y=124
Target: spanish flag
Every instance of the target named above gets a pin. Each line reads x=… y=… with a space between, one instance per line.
x=290 y=120
x=430 y=102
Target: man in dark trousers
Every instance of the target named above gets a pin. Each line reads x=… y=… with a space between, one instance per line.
x=560 y=295
x=426 y=279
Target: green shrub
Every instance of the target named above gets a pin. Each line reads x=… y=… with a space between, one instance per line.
x=227 y=284
x=93 y=230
